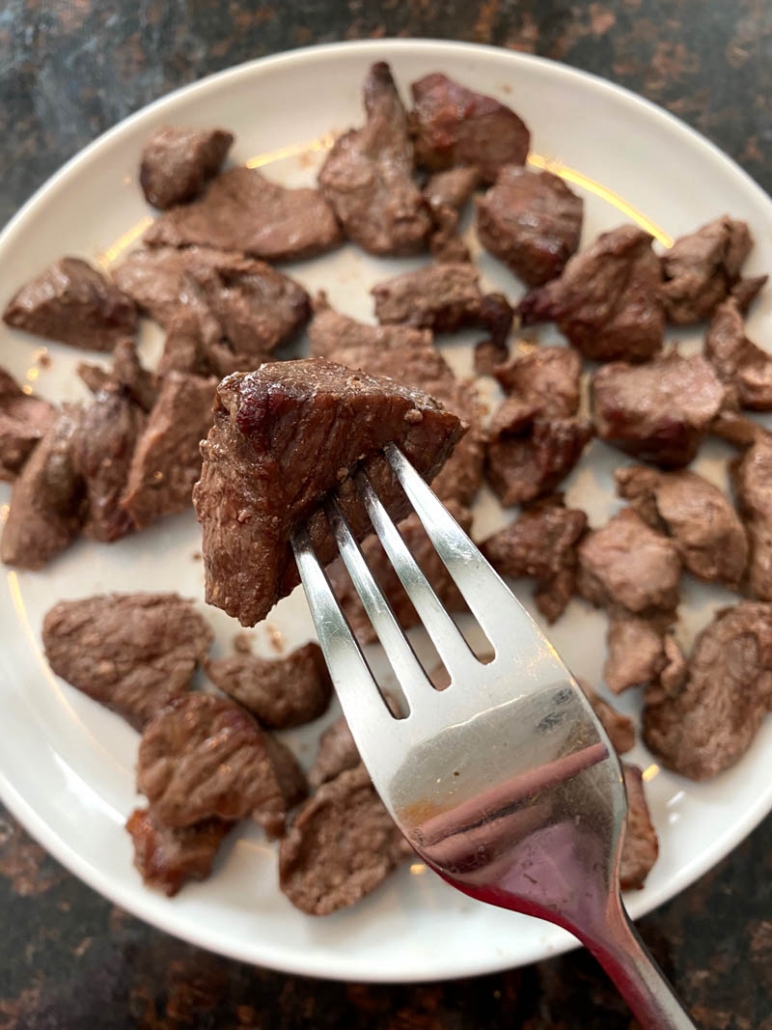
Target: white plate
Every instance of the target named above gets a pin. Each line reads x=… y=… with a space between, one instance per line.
x=66 y=765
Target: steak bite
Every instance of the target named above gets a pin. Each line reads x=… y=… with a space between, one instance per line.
x=279 y=692
x=24 y=421
x=341 y=846
x=131 y=652
x=745 y=291
x=640 y=847
x=169 y=858
x=73 y=303
x=627 y=563
x=660 y=411
x=618 y=727
x=453 y=126
x=752 y=479
x=635 y=650
x=368 y=175
x=707 y=532
x=708 y=722
x=127 y=375
x=701 y=268
x=167 y=458
x=337 y=752
x=285 y=437
x=739 y=363
x=446 y=194
x=532 y=222
x=544 y=376
x=177 y=163
x=607 y=301
x=541 y=543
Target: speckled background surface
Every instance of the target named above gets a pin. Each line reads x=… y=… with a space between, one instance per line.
x=69 y=69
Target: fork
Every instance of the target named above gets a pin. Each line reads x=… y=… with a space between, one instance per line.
x=504 y=783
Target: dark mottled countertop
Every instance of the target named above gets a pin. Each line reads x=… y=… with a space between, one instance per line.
x=69 y=70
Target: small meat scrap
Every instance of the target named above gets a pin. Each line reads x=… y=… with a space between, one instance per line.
x=618 y=727
x=167 y=458
x=279 y=692
x=532 y=222
x=24 y=421
x=607 y=301
x=627 y=563
x=640 y=846
x=337 y=752
x=243 y=211
x=289 y=773
x=541 y=543
x=47 y=501
x=453 y=126
x=636 y=650
x=341 y=846
x=127 y=374
x=131 y=652
x=204 y=757
x=708 y=722
x=368 y=175
x=528 y=456
x=704 y=526
x=745 y=291
x=284 y=437
x=73 y=303
x=169 y=858
x=752 y=479
x=177 y=163
x=739 y=363
x=446 y=194
x=700 y=269
x=659 y=412
x=544 y=376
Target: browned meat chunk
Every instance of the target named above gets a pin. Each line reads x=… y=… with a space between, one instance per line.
x=532 y=222
x=73 y=303
x=752 y=478
x=177 y=163
x=243 y=211
x=169 y=858
x=704 y=526
x=541 y=543
x=626 y=563
x=289 y=773
x=607 y=301
x=126 y=374
x=636 y=650
x=700 y=269
x=745 y=291
x=528 y=456
x=446 y=194
x=707 y=723
x=659 y=411
x=739 y=363
x=204 y=757
x=186 y=348
x=453 y=125
x=280 y=693
x=47 y=502
x=368 y=175
x=408 y=355
x=131 y=652
x=284 y=437
x=337 y=752
x=342 y=845
x=547 y=377
x=24 y=421
x=640 y=847
x=618 y=727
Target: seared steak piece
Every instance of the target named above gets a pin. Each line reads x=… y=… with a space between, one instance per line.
x=528 y=455
x=241 y=210
x=24 y=421
x=186 y=348
x=640 y=847
x=341 y=846
x=708 y=722
x=284 y=437
x=545 y=376
x=619 y=727
x=204 y=757
x=532 y=222
x=47 y=502
x=453 y=126
x=446 y=194
x=131 y=652
x=127 y=374
x=169 y=858
x=177 y=163
x=541 y=543
x=636 y=650
x=627 y=563
x=288 y=771
x=745 y=291
x=752 y=478
x=279 y=692
x=337 y=752
x=659 y=411
x=740 y=364
x=167 y=457
x=607 y=301
x=368 y=175
x=73 y=303
x=700 y=269
x=707 y=532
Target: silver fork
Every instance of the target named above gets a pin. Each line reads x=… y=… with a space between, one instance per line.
x=505 y=782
